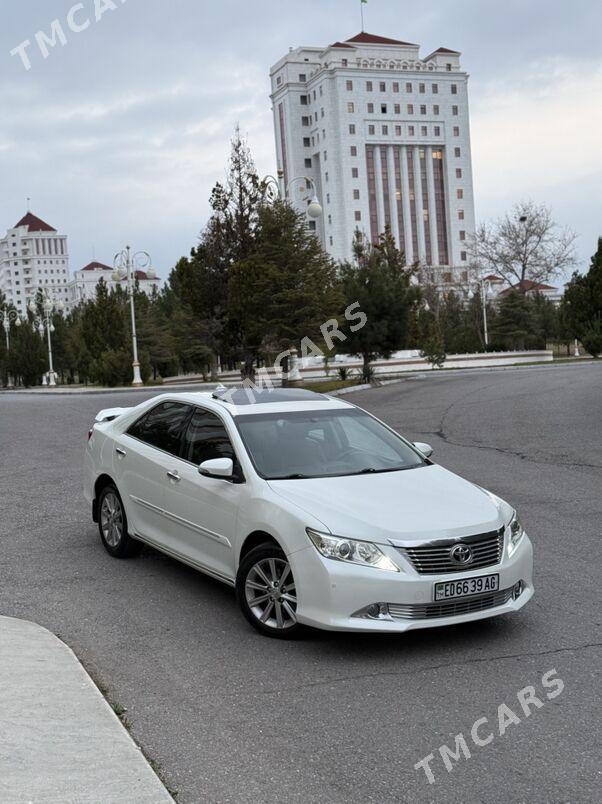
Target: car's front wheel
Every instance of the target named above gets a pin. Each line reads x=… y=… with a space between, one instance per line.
x=266 y=592
x=113 y=525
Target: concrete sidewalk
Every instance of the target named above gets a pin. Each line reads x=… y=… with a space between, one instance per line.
x=60 y=741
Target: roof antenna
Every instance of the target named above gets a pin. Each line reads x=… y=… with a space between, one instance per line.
x=362 y=4
x=28 y=204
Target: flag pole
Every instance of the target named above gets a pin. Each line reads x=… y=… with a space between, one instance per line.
x=362 y=12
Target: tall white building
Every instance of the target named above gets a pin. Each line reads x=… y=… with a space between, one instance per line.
x=33 y=255
x=385 y=136
x=83 y=286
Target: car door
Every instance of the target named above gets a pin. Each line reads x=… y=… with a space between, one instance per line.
x=141 y=461
x=203 y=510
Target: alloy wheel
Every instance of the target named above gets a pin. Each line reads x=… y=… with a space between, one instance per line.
x=270 y=593
x=111 y=519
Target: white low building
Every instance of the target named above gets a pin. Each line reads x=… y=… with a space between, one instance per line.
x=83 y=286
x=33 y=255
x=384 y=134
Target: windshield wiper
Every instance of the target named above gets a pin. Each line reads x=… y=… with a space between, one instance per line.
x=371 y=471
x=295 y=476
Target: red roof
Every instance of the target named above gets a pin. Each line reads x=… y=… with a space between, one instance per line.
x=341 y=44
x=443 y=50
x=493 y=278
x=34 y=224
x=364 y=38
x=96 y=266
x=527 y=285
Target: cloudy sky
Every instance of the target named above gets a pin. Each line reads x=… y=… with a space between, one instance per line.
x=119 y=135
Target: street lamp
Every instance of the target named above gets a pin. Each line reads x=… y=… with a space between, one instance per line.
x=126 y=265
x=308 y=190
x=483 y=290
x=43 y=322
x=8 y=317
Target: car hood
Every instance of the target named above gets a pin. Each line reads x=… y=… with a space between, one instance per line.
x=415 y=504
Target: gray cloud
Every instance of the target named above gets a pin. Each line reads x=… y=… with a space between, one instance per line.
x=119 y=135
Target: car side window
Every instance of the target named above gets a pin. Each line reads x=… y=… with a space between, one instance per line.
x=162 y=426
x=206 y=438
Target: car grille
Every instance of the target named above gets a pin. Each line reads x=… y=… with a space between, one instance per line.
x=436 y=559
x=450 y=608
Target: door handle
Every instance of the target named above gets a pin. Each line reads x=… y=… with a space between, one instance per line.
x=174 y=476
x=120 y=451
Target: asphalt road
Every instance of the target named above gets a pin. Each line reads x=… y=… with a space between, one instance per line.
x=231 y=716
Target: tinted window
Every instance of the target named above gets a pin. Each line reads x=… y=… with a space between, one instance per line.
x=322 y=444
x=161 y=427
x=206 y=438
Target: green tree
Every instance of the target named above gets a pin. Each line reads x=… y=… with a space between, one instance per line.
x=379 y=281
x=582 y=302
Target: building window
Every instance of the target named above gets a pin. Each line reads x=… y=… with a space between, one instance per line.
x=351 y=107
x=305 y=121
x=411 y=131
x=397 y=109
x=353 y=150
x=456 y=131
x=448 y=67
x=398 y=131
x=383 y=108
x=460 y=214
x=437 y=131
x=436 y=110
x=325 y=156
x=370 y=108
x=308 y=163
x=344 y=62
x=408 y=87
x=410 y=108
x=395 y=86
x=328 y=198
x=369 y=86
x=435 y=88
x=321 y=90
x=349 y=86
x=321 y=113
x=385 y=131
x=330 y=220
x=423 y=131
x=278 y=81
x=455 y=110
x=460 y=193
x=462 y=234
x=326 y=177
x=356 y=195
x=358 y=215
x=421 y=89
x=457 y=152
x=302 y=77
x=331 y=241
x=454 y=89
x=306 y=142
x=463 y=256
x=352 y=128
x=311 y=225
x=423 y=109
x=458 y=173
x=355 y=173
x=383 y=86
x=371 y=130
x=303 y=99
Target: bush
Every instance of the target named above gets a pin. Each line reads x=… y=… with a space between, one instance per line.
x=433 y=351
x=343 y=372
x=592 y=338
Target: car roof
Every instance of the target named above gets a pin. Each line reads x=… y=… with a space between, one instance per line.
x=245 y=401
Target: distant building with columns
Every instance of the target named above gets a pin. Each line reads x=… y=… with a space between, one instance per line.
x=385 y=135
x=82 y=287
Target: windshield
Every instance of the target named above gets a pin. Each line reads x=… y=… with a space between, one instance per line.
x=323 y=444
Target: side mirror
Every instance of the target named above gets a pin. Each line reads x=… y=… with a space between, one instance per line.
x=217 y=467
x=426 y=449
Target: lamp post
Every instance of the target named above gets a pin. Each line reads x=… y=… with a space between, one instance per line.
x=483 y=291
x=126 y=265
x=43 y=322
x=275 y=189
x=8 y=317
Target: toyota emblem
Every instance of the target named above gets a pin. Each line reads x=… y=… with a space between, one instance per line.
x=461 y=554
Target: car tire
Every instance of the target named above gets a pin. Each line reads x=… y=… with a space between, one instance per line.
x=113 y=525
x=266 y=593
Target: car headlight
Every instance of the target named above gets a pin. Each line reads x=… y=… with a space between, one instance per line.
x=354 y=552
x=515 y=533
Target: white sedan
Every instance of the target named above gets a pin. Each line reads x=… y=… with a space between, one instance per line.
x=316 y=512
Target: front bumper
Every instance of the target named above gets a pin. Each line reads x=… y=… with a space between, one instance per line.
x=329 y=592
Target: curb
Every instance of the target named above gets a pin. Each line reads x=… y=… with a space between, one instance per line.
x=61 y=740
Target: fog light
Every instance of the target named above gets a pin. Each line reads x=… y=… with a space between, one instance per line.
x=375 y=611
x=517 y=590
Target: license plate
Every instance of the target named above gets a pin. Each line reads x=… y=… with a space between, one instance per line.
x=448 y=590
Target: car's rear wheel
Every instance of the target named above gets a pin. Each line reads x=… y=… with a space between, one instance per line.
x=266 y=592
x=113 y=525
